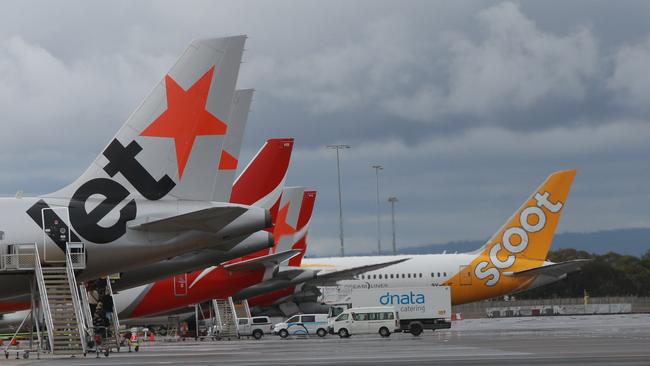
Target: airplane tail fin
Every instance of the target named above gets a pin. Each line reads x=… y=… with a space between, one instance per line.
x=287 y=219
x=524 y=240
x=529 y=232
x=300 y=238
x=172 y=144
x=262 y=181
x=229 y=159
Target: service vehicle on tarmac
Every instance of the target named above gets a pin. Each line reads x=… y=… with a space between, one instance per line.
x=254 y=327
x=302 y=324
x=383 y=320
x=418 y=308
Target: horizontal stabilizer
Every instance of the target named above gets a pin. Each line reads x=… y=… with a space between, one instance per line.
x=261 y=263
x=331 y=278
x=210 y=219
x=552 y=270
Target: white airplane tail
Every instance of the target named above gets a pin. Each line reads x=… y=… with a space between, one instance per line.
x=287 y=218
x=229 y=159
x=172 y=145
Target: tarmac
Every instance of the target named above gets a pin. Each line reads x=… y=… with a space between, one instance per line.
x=565 y=340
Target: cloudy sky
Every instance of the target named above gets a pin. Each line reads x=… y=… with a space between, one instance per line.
x=468 y=105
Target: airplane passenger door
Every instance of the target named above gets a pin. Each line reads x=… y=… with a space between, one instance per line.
x=180 y=285
x=465 y=275
x=55 y=228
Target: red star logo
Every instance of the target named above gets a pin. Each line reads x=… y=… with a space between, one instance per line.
x=186 y=117
x=281 y=226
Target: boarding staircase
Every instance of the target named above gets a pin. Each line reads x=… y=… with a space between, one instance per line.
x=61 y=304
x=172 y=327
x=241 y=309
x=63 y=324
x=88 y=316
x=116 y=320
x=226 y=314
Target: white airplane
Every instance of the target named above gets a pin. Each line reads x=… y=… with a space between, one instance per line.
x=161 y=188
x=513 y=260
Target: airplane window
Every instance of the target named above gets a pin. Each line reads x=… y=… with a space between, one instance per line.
x=409 y=275
x=403 y=275
x=380 y=277
x=445 y=273
x=420 y=275
x=2 y=235
x=432 y=274
x=438 y=274
x=391 y=275
x=374 y=277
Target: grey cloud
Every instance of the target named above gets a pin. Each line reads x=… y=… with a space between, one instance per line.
x=393 y=67
x=517 y=64
x=467 y=104
x=631 y=79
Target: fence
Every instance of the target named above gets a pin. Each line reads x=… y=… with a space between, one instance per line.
x=565 y=305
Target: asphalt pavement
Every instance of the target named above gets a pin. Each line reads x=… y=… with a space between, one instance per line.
x=567 y=340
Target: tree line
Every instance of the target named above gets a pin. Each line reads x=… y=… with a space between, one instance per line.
x=610 y=274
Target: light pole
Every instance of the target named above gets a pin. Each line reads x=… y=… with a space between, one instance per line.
x=338 y=169
x=392 y=201
x=377 y=169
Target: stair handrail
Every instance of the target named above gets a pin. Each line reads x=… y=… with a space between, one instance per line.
x=116 y=319
x=217 y=314
x=45 y=303
x=234 y=314
x=247 y=309
x=88 y=316
x=76 y=302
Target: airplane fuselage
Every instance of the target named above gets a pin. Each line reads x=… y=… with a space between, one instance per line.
x=454 y=270
x=51 y=223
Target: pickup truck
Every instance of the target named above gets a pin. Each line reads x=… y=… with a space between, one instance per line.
x=254 y=327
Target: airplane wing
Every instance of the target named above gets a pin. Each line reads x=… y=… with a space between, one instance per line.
x=209 y=219
x=552 y=270
x=261 y=263
x=330 y=278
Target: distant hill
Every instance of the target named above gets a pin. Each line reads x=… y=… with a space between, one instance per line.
x=623 y=241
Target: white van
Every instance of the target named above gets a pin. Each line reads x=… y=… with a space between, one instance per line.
x=383 y=320
x=303 y=324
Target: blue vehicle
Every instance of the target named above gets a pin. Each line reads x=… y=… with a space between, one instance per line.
x=302 y=324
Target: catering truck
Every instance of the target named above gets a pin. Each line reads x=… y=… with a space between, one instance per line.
x=418 y=308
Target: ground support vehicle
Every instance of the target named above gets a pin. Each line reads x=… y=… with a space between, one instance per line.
x=302 y=324
x=419 y=308
x=254 y=327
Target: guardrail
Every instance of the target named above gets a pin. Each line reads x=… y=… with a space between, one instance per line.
x=77 y=254
x=21 y=257
x=18 y=257
x=74 y=289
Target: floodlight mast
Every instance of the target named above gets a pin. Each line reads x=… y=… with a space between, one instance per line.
x=338 y=169
x=377 y=169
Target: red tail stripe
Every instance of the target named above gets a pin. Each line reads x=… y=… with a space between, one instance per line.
x=264 y=173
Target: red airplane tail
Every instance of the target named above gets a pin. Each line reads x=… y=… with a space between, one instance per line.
x=261 y=182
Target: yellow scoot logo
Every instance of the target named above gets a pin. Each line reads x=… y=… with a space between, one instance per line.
x=532 y=219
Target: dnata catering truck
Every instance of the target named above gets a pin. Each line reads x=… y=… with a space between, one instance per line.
x=418 y=308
